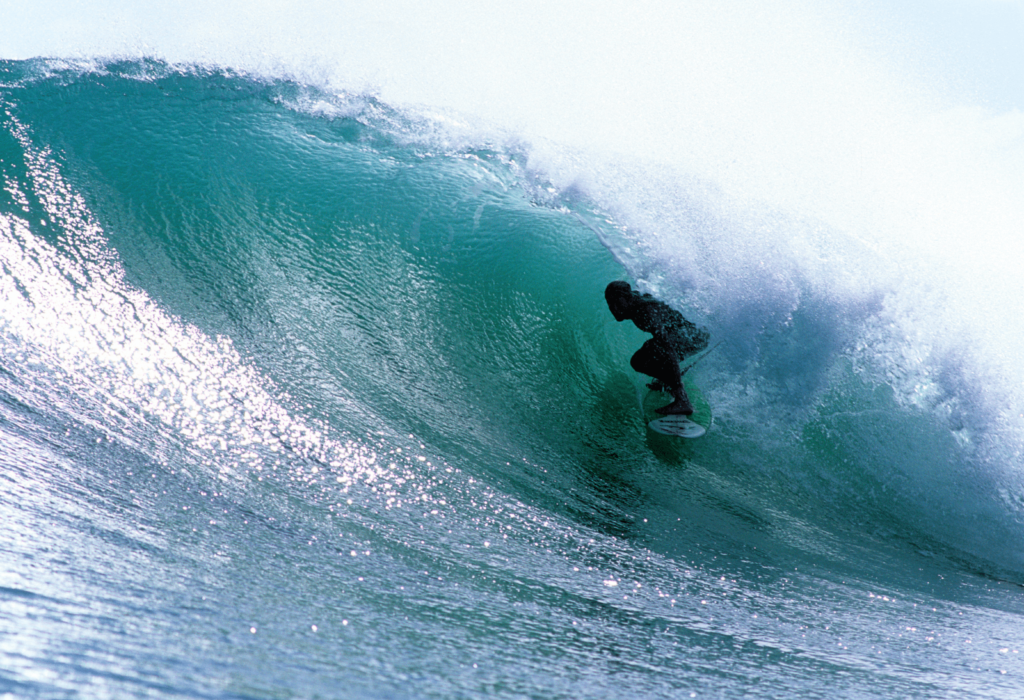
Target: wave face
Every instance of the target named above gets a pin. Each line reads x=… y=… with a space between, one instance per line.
x=307 y=395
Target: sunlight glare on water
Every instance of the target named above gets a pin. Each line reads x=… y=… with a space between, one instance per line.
x=122 y=363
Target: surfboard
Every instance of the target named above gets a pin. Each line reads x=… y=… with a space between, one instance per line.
x=693 y=426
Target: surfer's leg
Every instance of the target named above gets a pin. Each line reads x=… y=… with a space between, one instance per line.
x=657 y=360
x=653 y=360
x=680 y=406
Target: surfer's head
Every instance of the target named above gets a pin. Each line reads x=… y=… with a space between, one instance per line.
x=619 y=296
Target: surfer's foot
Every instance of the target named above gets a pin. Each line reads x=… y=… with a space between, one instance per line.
x=679 y=407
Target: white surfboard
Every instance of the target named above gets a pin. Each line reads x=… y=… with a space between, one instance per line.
x=677 y=426
x=694 y=426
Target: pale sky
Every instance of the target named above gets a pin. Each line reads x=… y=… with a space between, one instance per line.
x=978 y=44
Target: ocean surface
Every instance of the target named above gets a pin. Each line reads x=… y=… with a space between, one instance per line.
x=304 y=394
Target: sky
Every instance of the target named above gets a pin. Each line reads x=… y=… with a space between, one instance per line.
x=981 y=43
x=975 y=45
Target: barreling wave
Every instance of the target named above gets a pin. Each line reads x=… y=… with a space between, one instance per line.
x=222 y=269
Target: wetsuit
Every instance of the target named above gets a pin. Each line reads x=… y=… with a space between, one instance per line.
x=674 y=338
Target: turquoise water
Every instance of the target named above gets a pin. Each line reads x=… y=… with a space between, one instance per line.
x=302 y=397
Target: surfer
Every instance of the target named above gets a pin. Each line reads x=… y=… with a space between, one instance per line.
x=674 y=338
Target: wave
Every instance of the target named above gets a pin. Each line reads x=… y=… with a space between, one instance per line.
x=270 y=281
